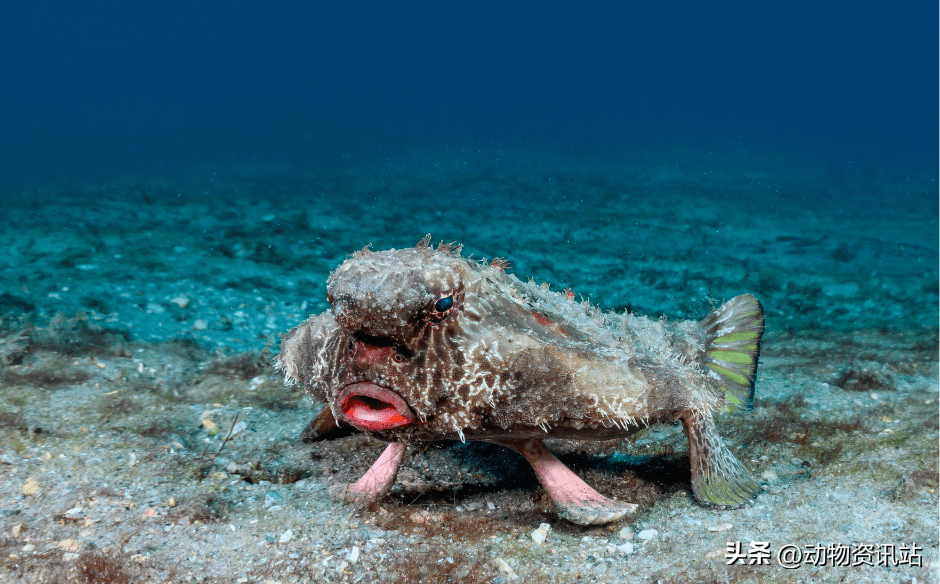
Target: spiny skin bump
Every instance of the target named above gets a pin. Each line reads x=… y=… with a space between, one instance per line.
x=421 y=344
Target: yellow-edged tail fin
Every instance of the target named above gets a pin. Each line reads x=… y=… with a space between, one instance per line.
x=732 y=345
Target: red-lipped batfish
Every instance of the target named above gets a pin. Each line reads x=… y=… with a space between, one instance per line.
x=421 y=344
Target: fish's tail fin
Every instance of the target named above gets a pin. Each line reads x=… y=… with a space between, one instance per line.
x=732 y=345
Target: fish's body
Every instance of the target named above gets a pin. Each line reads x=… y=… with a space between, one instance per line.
x=421 y=344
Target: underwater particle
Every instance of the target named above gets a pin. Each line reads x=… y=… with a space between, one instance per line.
x=647 y=534
x=539 y=535
x=211 y=427
x=286 y=536
x=625 y=548
x=626 y=533
x=722 y=527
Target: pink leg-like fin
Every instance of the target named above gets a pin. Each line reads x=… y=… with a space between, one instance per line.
x=575 y=500
x=377 y=481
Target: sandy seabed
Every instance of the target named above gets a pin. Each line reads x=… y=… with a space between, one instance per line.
x=145 y=437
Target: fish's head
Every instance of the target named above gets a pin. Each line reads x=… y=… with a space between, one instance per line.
x=408 y=325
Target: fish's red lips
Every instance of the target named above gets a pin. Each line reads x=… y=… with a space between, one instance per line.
x=370 y=407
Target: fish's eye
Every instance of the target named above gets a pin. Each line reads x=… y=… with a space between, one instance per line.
x=444 y=306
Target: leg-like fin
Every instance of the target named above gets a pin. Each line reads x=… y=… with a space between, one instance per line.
x=377 y=481
x=718 y=478
x=323 y=426
x=732 y=345
x=575 y=500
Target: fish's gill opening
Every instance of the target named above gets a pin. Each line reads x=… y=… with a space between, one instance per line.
x=382 y=342
x=373 y=340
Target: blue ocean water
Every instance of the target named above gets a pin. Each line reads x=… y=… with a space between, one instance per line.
x=92 y=90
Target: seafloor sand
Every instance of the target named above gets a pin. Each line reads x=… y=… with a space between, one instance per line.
x=138 y=318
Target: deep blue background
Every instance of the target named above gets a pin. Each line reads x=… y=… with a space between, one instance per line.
x=92 y=88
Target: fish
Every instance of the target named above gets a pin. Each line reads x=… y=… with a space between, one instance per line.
x=422 y=344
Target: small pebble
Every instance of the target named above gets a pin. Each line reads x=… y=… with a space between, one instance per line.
x=180 y=301
x=625 y=548
x=504 y=567
x=715 y=554
x=769 y=475
x=30 y=487
x=354 y=554
x=490 y=506
x=289 y=534
x=28 y=548
x=647 y=534
x=722 y=527
x=626 y=533
x=540 y=534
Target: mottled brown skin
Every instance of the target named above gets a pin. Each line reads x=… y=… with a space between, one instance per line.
x=421 y=344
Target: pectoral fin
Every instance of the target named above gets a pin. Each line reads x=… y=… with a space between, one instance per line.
x=323 y=426
x=377 y=481
x=575 y=500
x=718 y=478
